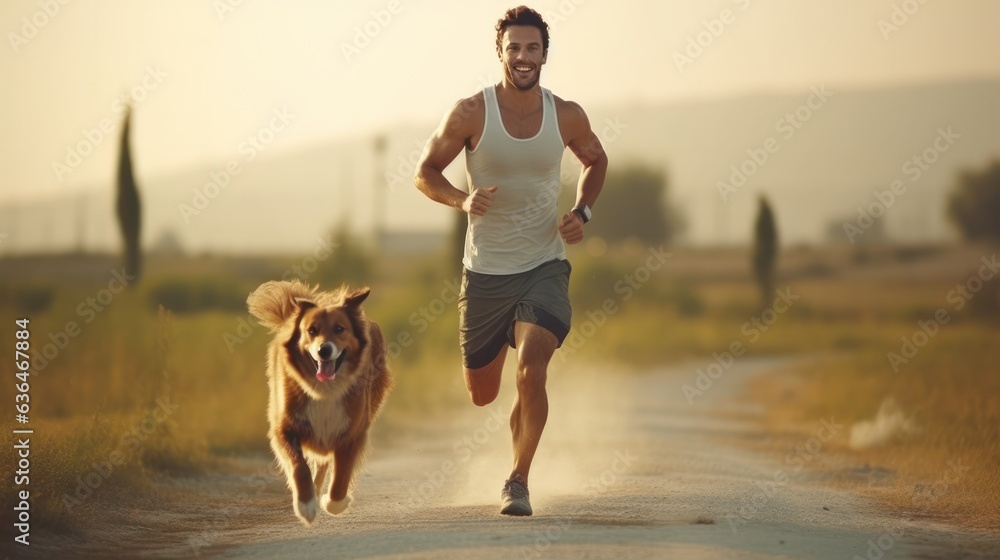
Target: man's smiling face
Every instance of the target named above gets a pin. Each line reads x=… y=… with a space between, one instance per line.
x=523 y=55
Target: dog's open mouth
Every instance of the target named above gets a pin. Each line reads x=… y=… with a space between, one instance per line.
x=326 y=370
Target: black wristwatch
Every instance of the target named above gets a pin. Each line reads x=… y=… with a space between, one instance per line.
x=584 y=212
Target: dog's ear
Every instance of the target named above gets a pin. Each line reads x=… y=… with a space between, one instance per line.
x=303 y=303
x=355 y=298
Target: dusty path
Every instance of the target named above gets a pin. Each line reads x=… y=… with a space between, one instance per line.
x=627 y=469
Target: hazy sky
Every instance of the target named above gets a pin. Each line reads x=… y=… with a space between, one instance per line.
x=212 y=72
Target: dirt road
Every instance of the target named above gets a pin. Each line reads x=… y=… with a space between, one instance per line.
x=628 y=468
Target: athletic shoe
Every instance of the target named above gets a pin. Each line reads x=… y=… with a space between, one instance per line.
x=514 y=497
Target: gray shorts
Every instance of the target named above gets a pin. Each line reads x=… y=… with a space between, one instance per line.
x=490 y=303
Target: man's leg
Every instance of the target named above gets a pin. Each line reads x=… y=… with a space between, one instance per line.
x=484 y=383
x=535 y=346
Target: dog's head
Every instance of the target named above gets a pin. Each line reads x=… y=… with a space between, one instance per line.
x=330 y=338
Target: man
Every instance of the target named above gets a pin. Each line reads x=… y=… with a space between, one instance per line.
x=515 y=288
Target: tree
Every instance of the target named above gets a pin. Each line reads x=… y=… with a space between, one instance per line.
x=974 y=205
x=129 y=207
x=975 y=208
x=634 y=203
x=765 y=251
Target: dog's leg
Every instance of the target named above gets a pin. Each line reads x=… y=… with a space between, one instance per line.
x=289 y=451
x=319 y=480
x=345 y=458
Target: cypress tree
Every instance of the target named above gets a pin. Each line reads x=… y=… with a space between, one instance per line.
x=128 y=205
x=765 y=251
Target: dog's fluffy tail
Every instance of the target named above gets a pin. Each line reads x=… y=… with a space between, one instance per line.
x=274 y=302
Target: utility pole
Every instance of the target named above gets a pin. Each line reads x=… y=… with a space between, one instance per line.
x=379 y=193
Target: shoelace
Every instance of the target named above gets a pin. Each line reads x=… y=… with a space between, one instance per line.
x=516 y=489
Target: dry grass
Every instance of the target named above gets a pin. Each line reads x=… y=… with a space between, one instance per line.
x=108 y=380
x=140 y=392
x=946 y=468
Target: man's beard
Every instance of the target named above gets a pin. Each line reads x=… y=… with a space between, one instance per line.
x=511 y=77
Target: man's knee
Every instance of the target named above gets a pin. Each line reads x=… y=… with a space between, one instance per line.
x=483 y=396
x=531 y=376
x=483 y=386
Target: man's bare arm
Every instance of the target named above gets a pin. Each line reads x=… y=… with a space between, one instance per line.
x=588 y=149
x=444 y=146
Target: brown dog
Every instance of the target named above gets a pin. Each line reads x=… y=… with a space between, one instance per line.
x=328 y=378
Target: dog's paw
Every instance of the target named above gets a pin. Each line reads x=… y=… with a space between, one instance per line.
x=306 y=511
x=333 y=507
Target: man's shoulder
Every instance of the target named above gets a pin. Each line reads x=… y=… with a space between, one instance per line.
x=474 y=101
x=472 y=106
x=563 y=102
x=570 y=112
x=572 y=109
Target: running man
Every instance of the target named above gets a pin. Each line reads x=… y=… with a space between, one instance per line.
x=515 y=286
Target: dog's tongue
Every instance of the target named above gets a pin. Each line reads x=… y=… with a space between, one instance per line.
x=325 y=371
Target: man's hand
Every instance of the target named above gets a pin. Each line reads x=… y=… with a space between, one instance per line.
x=479 y=201
x=571 y=228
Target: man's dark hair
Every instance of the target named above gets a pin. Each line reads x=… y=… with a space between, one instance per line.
x=522 y=15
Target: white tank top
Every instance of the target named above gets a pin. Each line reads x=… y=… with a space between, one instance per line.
x=521 y=229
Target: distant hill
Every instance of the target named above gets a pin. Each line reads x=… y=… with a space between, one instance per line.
x=854 y=142
x=858 y=141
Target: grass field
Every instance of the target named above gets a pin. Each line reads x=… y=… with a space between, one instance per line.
x=167 y=377
x=942 y=459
